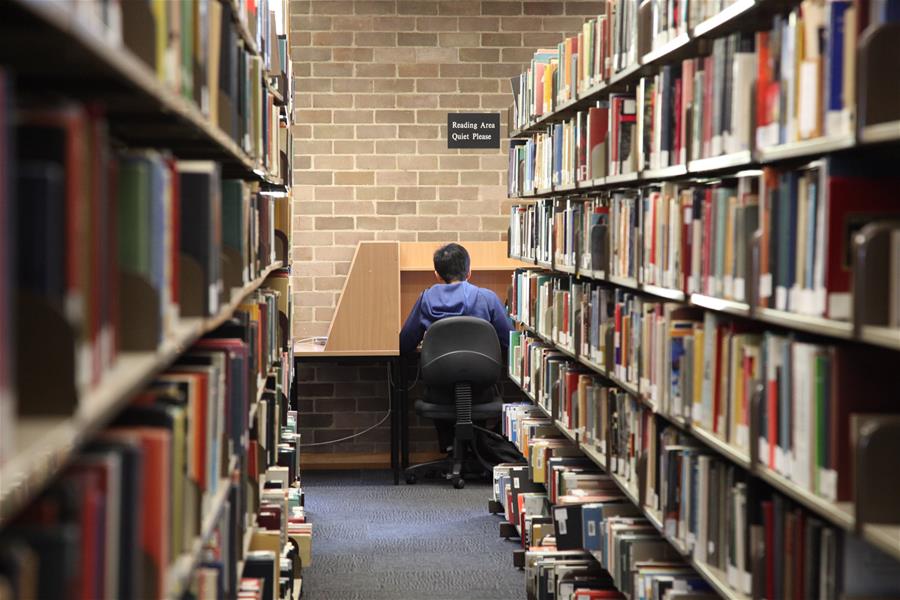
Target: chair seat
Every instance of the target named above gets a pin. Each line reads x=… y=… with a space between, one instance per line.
x=448 y=411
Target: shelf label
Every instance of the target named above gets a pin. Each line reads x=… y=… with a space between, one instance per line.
x=473 y=130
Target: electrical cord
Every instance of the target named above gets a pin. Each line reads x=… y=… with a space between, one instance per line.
x=364 y=431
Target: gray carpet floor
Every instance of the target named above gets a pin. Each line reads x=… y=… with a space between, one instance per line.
x=376 y=541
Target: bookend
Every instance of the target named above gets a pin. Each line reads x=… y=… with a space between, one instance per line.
x=877 y=495
x=508 y=530
x=282 y=245
x=871 y=260
x=44 y=337
x=141 y=326
x=192 y=291
x=879 y=62
x=494 y=507
x=232 y=268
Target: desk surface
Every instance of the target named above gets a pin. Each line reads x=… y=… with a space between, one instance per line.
x=312 y=349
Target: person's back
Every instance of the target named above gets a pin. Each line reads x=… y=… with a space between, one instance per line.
x=453 y=296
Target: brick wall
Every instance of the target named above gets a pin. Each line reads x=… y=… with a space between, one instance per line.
x=374 y=81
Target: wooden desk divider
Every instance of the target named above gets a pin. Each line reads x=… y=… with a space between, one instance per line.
x=368 y=310
x=383 y=284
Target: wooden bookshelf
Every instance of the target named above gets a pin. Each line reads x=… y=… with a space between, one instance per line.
x=141 y=93
x=47 y=443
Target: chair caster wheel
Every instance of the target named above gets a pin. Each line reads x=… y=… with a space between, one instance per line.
x=411 y=479
x=459 y=483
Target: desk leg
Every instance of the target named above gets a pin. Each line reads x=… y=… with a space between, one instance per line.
x=396 y=369
x=404 y=414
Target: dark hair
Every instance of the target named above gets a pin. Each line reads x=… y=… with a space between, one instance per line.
x=451 y=262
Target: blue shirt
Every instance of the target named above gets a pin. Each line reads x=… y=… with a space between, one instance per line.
x=459 y=299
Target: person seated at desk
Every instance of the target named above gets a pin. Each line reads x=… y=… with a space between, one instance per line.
x=453 y=296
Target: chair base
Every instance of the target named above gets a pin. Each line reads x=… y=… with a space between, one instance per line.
x=455 y=466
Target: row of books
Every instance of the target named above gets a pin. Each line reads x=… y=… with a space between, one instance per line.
x=591 y=144
x=705 y=370
x=568 y=556
x=164 y=484
x=748 y=90
x=119 y=244
x=698 y=236
x=706 y=508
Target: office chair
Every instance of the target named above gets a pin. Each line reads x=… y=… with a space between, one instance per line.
x=461 y=364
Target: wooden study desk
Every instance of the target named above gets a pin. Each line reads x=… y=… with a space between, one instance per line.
x=383 y=284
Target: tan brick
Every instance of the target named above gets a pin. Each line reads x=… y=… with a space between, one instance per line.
x=316 y=208
x=334 y=192
x=371 y=38
x=583 y=8
x=332 y=70
x=352 y=54
x=394 y=85
x=479 y=24
x=570 y=25
x=375 y=70
x=500 y=70
x=435 y=117
x=375 y=101
x=461 y=70
x=354 y=207
x=496 y=101
x=479 y=55
x=437 y=23
x=395 y=146
x=395 y=116
x=436 y=55
x=324 y=313
x=309 y=54
x=411 y=162
x=332 y=101
x=459 y=223
x=501 y=8
x=352 y=23
x=435 y=85
x=314 y=177
x=478 y=236
x=417 y=101
x=480 y=85
x=501 y=40
x=494 y=163
x=376 y=131
x=352 y=238
x=311 y=23
x=437 y=236
x=396 y=236
x=458 y=40
x=336 y=253
x=459 y=163
x=314 y=116
x=316 y=85
x=459 y=7
x=394 y=24
x=494 y=223
x=416 y=7
x=417 y=70
x=395 y=177
x=417 y=132
x=354 y=147
x=375 y=192
x=416 y=192
x=325 y=223
x=484 y=177
x=354 y=178
x=332 y=162
x=301 y=162
x=517 y=55
x=354 y=116
x=544 y=39
x=376 y=161
x=342 y=268
x=438 y=178
x=333 y=131
x=434 y=147
x=396 y=208
x=394 y=55
x=314 y=298
x=417 y=223
x=441 y=207
x=417 y=39
x=300 y=7
x=543 y=8
x=312 y=146
x=376 y=223
x=324 y=39
x=459 y=101
x=333 y=7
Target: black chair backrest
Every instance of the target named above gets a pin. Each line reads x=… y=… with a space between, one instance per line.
x=461 y=350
